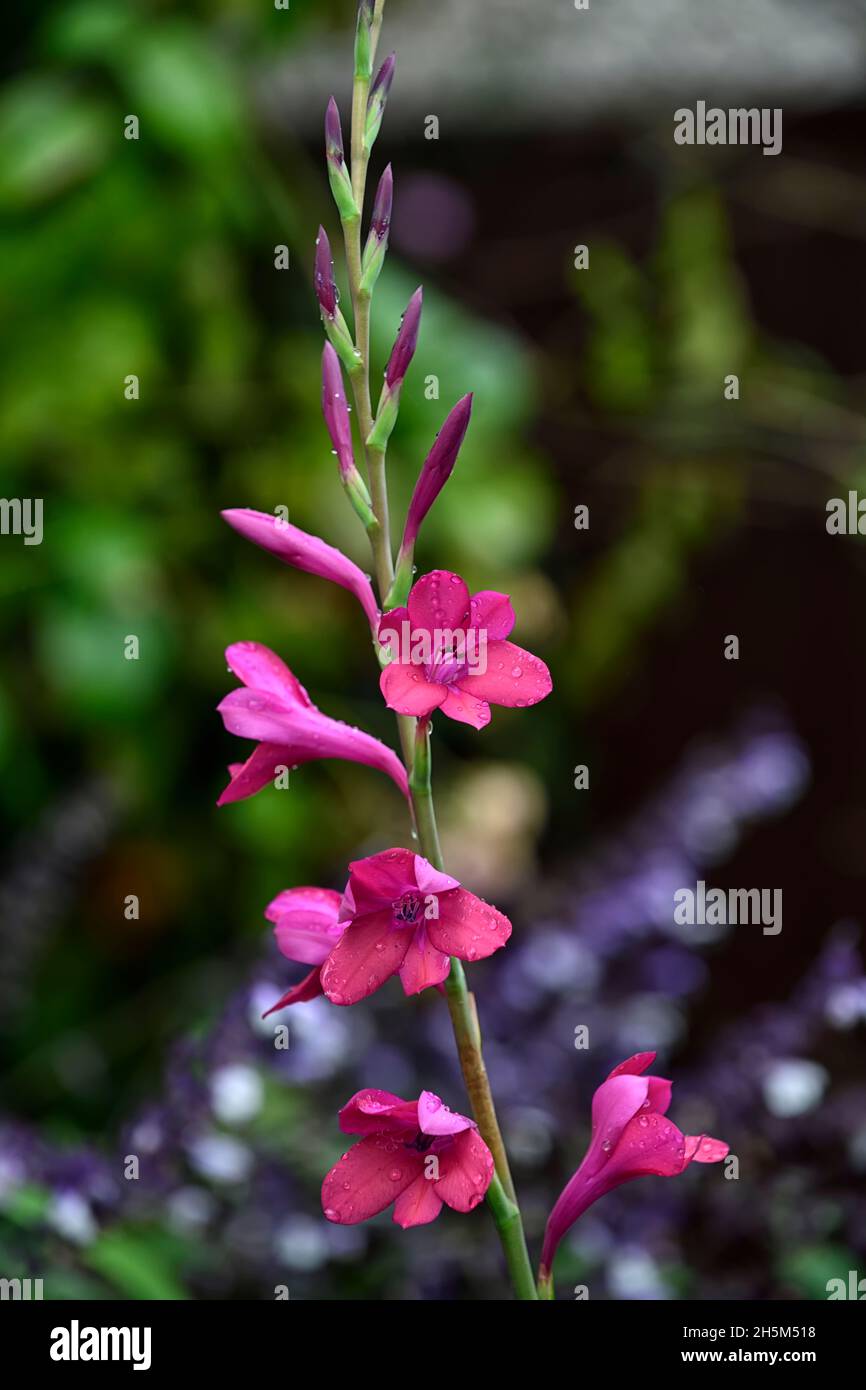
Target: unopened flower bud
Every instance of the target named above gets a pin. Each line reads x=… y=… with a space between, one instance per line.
x=338 y=174
x=377 y=100
x=377 y=241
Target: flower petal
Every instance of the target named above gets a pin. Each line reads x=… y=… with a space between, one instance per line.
x=261 y=669
x=467 y=926
x=466 y=709
x=418 y=1204
x=310 y=987
x=369 y=952
x=306 y=923
x=614 y=1104
x=434 y=1117
x=634 y=1066
x=304 y=735
x=492 y=613
x=379 y=880
x=423 y=966
x=430 y=880
x=304 y=552
x=368 y=1178
x=514 y=677
x=379 y=1112
x=439 y=601
x=259 y=769
x=700 y=1148
x=406 y=690
x=465 y=1171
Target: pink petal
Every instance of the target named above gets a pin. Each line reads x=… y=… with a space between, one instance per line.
x=430 y=880
x=659 y=1095
x=259 y=769
x=513 y=677
x=423 y=966
x=614 y=1104
x=465 y=1171
x=368 y=1178
x=435 y=1118
x=306 y=923
x=648 y=1145
x=380 y=879
x=303 y=735
x=634 y=1066
x=418 y=1204
x=406 y=690
x=467 y=926
x=492 y=613
x=321 y=903
x=310 y=987
x=261 y=669
x=369 y=952
x=701 y=1148
x=390 y=630
x=466 y=709
x=379 y=1112
x=438 y=602
x=304 y=552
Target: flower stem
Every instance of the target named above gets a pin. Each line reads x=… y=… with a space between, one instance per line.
x=506 y=1215
x=415 y=739
x=467 y=1035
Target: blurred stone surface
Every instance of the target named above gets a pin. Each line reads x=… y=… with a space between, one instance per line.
x=500 y=64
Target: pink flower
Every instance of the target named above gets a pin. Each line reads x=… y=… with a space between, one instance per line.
x=449 y=652
x=414 y=1153
x=630 y=1139
x=306 y=928
x=405 y=917
x=274 y=709
x=304 y=552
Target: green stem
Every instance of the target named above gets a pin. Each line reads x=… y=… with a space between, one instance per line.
x=506 y=1215
x=467 y=1035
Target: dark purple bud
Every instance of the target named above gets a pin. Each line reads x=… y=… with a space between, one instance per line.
x=405 y=343
x=380 y=222
x=377 y=99
x=382 y=83
x=437 y=468
x=336 y=411
x=334 y=134
x=323 y=275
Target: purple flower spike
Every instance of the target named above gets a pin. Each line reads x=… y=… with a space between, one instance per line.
x=326 y=287
x=336 y=411
x=405 y=343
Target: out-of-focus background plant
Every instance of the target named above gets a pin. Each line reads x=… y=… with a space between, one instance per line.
x=141 y=1036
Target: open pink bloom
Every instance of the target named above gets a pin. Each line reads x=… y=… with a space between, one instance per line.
x=414 y=1153
x=630 y=1139
x=274 y=709
x=304 y=552
x=405 y=917
x=307 y=926
x=449 y=652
